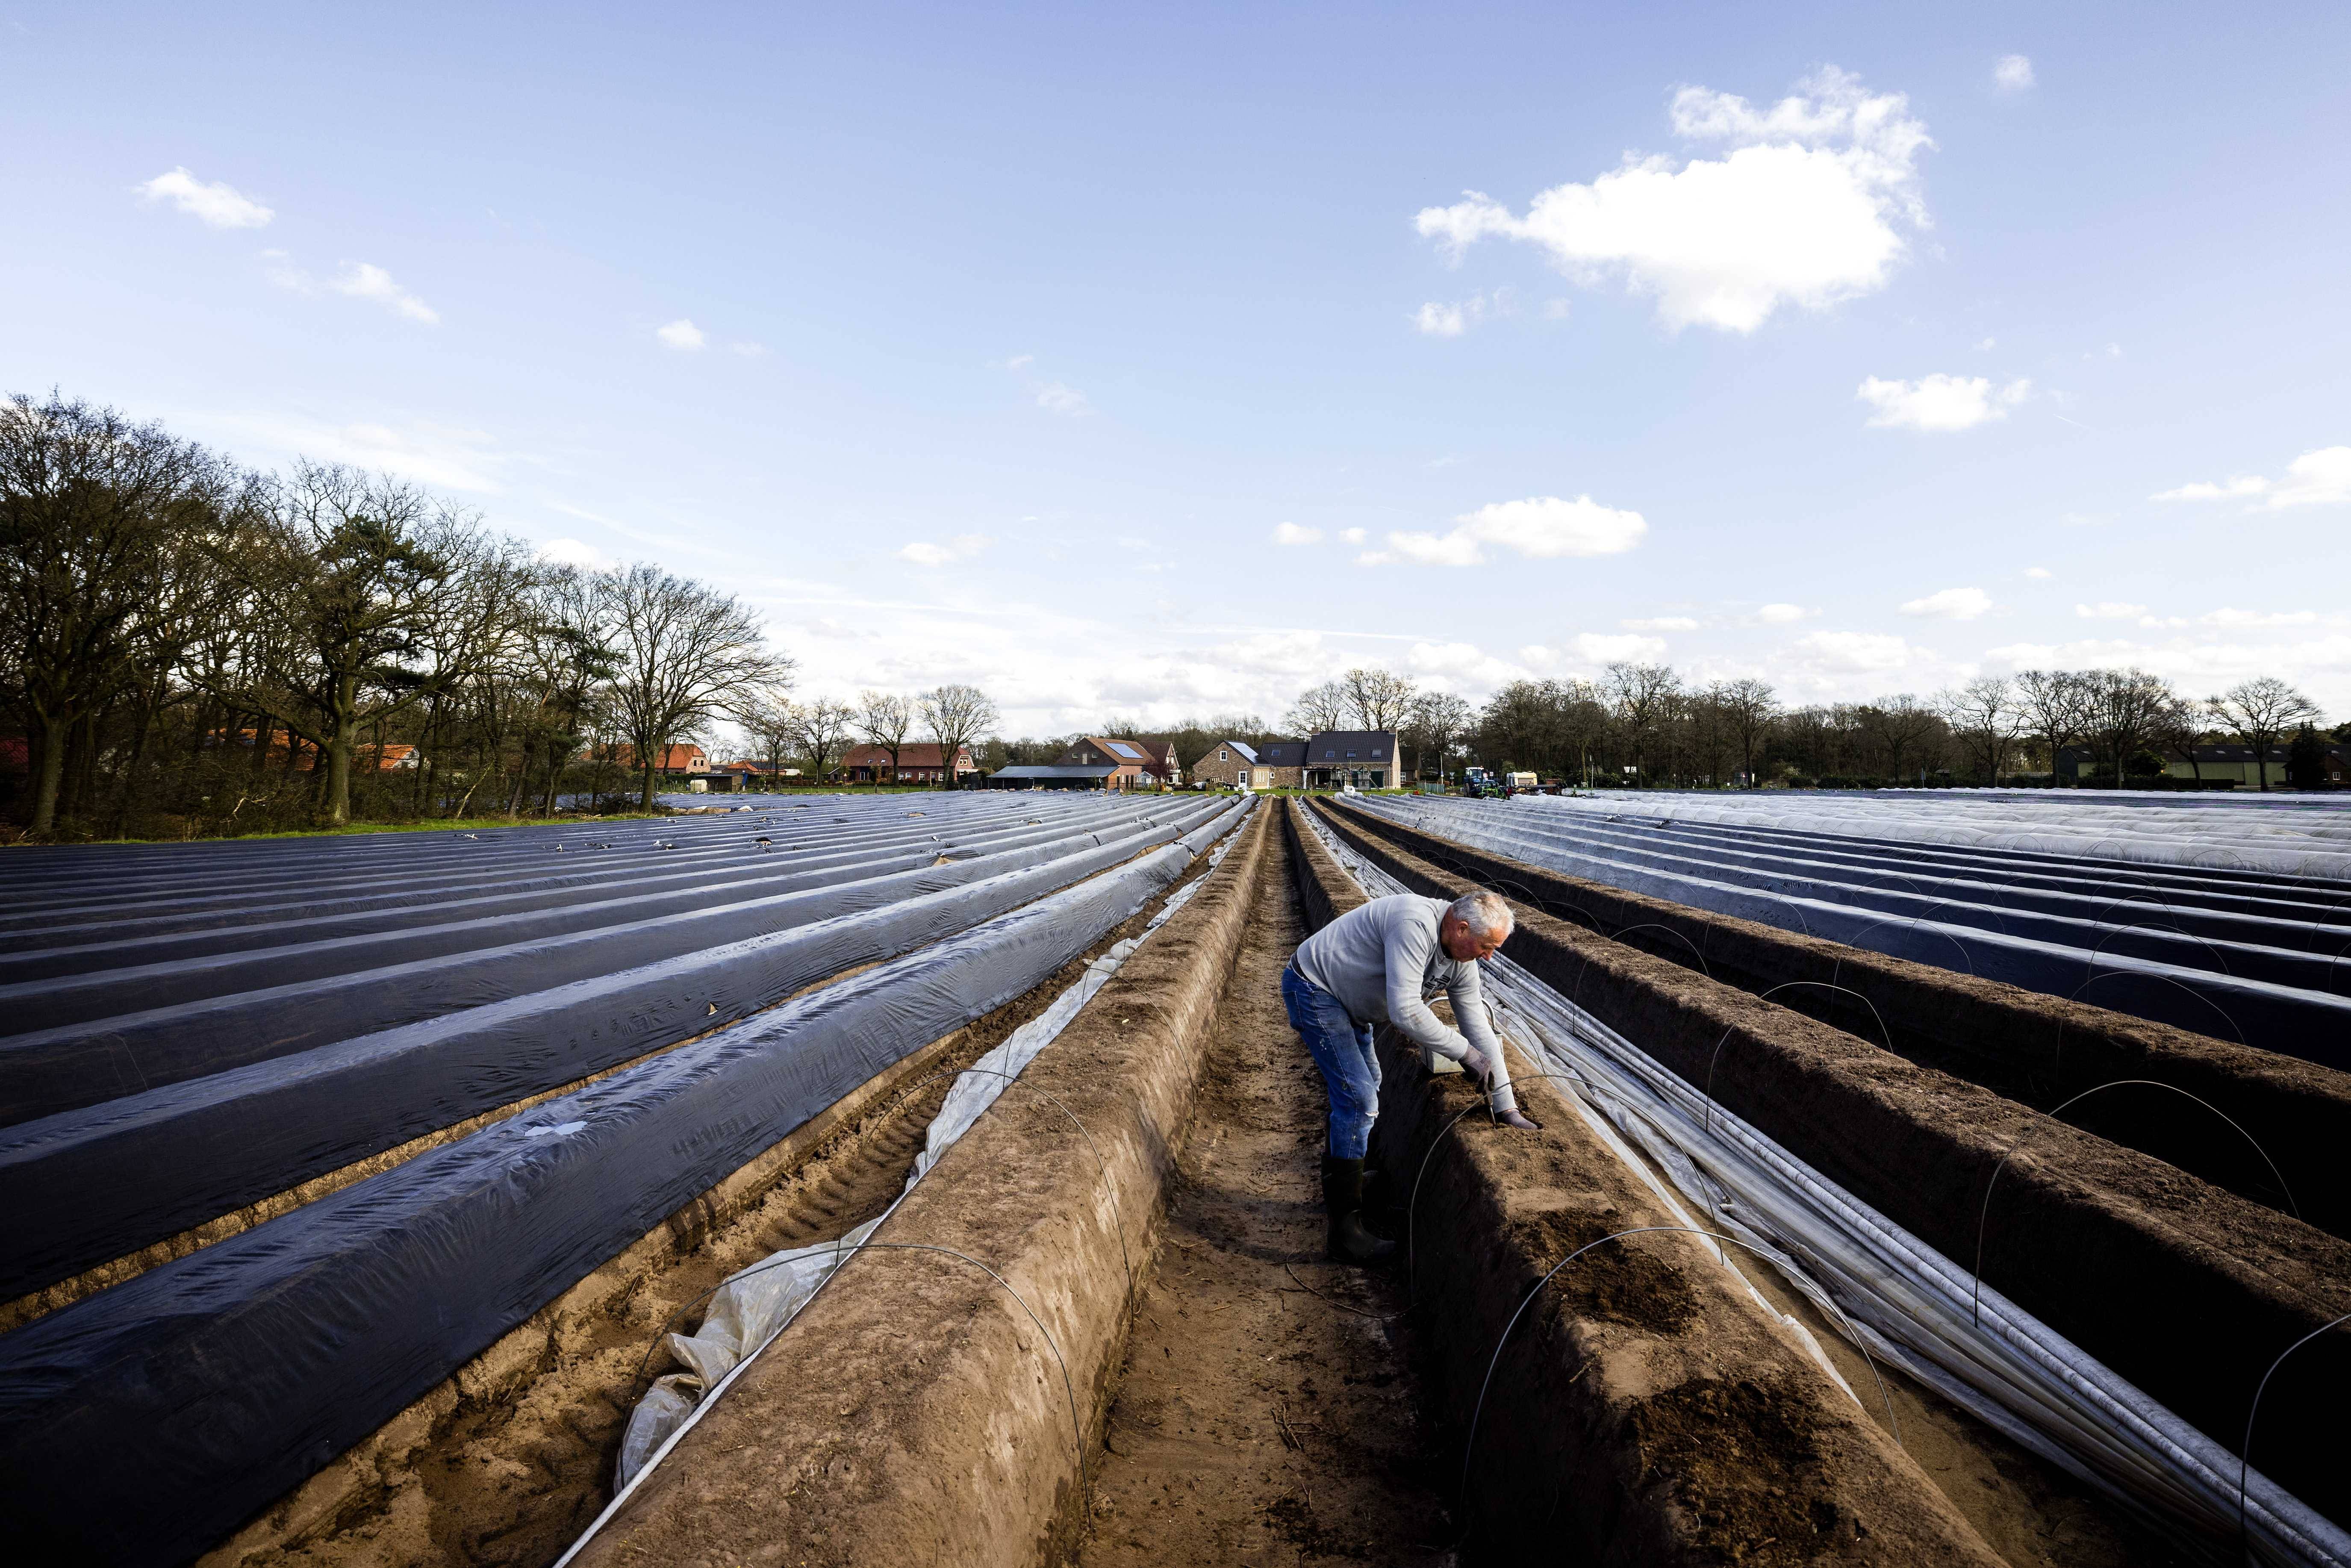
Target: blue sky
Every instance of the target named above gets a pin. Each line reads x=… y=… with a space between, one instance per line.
x=1005 y=345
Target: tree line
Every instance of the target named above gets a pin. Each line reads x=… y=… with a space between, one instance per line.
x=188 y=647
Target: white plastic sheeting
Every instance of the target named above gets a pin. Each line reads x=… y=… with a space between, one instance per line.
x=2299 y=836
x=1912 y=1306
x=758 y=1303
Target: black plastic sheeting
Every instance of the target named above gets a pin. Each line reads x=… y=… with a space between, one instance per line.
x=74 y=1065
x=139 y=1426
x=296 y=925
x=93 y=1183
x=2225 y=958
x=53 y=987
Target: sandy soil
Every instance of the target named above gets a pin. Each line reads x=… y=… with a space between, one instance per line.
x=1267 y=1412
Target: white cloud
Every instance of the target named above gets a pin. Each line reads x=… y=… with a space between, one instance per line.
x=1292 y=534
x=447 y=457
x=218 y=205
x=358 y=280
x=1602 y=648
x=2012 y=73
x=1854 y=652
x=1062 y=400
x=1987 y=345
x=2036 y=571
x=748 y=350
x=2110 y=609
x=682 y=335
x=1351 y=536
x=362 y=281
x=1780 y=614
x=1661 y=623
x=1440 y=320
x=576 y=553
x=1542 y=527
x=2319 y=478
x=962 y=546
x=2226 y=617
x=1950 y=604
x=1940 y=402
x=1802 y=209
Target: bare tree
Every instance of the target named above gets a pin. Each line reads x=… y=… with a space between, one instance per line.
x=821 y=730
x=955 y=716
x=2180 y=727
x=2260 y=712
x=687 y=654
x=1984 y=713
x=374 y=610
x=2126 y=709
x=1378 y=700
x=1317 y=708
x=885 y=719
x=103 y=524
x=2052 y=704
x=1899 y=727
x=1748 y=707
x=769 y=721
x=1438 y=722
x=1643 y=697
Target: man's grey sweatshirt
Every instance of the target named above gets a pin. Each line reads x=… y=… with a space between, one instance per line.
x=1382 y=961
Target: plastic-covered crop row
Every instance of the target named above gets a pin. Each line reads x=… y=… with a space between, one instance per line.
x=2254 y=957
x=2300 y=835
x=158 y=932
x=155 y=1035
x=60 y=885
x=155 y=1415
x=98 y=1182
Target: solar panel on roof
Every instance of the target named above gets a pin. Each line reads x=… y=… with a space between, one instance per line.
x=1125 y=750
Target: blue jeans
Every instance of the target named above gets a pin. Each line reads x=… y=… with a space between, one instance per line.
x=1343 y=1049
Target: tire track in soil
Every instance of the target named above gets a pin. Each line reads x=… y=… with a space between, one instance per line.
x=1256 y=1424
x=510 y=1481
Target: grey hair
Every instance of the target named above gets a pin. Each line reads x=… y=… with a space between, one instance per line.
x=1487 y=914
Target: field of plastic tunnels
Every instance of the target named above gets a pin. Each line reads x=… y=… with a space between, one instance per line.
x=933 y=1179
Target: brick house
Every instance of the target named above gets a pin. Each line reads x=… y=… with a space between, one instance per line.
x=1230 y=763
x=672 y=759
x=1367 y=759
x=1282 y=765
x=1134 y=764
x=918 y=763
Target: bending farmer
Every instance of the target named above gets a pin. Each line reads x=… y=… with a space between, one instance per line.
x=1380 y=963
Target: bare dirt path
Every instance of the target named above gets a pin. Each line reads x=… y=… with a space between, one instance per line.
x=1267 y=1413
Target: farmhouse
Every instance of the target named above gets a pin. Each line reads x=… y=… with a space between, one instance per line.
x=1134 y=764
x=918 y=763
x=1228 y=762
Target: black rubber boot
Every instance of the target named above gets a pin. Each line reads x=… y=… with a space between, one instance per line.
x=1344 y=1238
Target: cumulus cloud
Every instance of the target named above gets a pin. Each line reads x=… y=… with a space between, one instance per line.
x=1292 y=534
x=2319 y=478
x=681 y=335
x=1950 y=604
x=1806 y=206
x=1351 y=536
x=219 y=204
x=2110 y=609
x=1661 y=623
x=1602 y=648
x=2036 y=571
x=2226 y=617
x=1780 y=614
x=2012 y=73
x=1063 y=400
x=1542 y=527
x=1854 y=652
x=358 y=280
x=1438 y=319
x=962 y=546
x=575 y=552
x=1939 y=402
